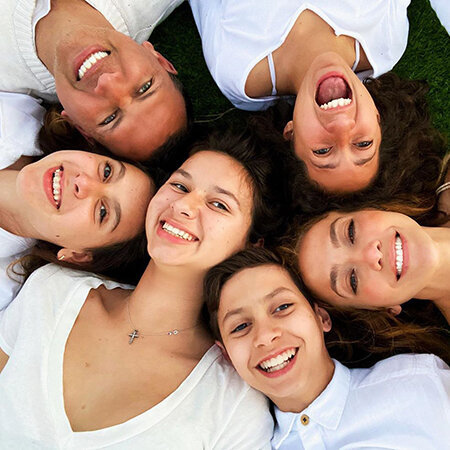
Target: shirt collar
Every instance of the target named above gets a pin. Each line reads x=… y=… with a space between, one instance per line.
x=326 y=409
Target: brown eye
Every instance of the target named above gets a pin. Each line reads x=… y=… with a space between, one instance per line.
x=351 y=231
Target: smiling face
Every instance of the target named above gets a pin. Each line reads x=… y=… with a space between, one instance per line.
x=273 y=336
x=367 y=259
x=80 y=200
x=335 y=127
x=117 y=91
x=202 y=214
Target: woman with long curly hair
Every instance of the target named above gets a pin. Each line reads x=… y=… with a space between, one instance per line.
x=318 y=53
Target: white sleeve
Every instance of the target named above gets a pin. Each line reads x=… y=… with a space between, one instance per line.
x=21 y=118
x=442 y=9
x=250 y=426
x=10 y=319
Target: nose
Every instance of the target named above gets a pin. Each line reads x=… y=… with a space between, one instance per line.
x=266 y=332
x=111 y=85
x=84 y=186
x=340 y=124
x=187 y=205
x=371 y=255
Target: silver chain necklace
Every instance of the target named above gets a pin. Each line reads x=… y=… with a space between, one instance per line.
x=135 y=334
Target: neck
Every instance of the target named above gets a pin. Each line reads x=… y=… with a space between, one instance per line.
x=438 y=288
x=309 y=37
x=166 y=298
x=64 y=18
x=12 y=218
x=315 y=382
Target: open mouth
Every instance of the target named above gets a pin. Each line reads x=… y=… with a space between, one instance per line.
x=398 y=255
x=90 y=61
x=333 y=92
x=56 y=187
x=279 y=362
x=170 y=229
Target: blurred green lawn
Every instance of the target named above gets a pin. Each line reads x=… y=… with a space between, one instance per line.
x=427 y=57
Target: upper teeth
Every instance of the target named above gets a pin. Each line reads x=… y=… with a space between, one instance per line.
x=398 y=255
x=89 y=62
x=278 y=362
x=57 y=185
x=176 y=232
x=336 y=102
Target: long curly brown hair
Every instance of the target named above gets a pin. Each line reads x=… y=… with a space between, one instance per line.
x=411 y=151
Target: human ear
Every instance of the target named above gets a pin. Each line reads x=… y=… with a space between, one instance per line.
x=165 y=63
x=394 y=310
x=87 y=136
x=324 y=317
x=288 y=132
x=74 y=257
x=224 y=351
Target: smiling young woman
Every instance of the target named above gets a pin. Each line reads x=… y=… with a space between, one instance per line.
x=318 y=54
x=76 y=201
x=157 y=361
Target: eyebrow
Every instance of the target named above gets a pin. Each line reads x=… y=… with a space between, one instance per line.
x=333 y=234
x=268 y=296
x=333 y=279
x=359 y=162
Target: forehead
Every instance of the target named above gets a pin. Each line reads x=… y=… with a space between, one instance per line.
x=253 y=287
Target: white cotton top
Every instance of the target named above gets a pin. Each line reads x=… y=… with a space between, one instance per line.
x=12 y=247
x=236 y=35
x=402 y=402
x=211 y=409
x=21 y=118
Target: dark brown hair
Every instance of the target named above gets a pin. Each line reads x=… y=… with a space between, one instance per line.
x=358 y=338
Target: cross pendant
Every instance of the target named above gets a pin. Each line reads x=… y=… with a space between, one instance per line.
x=134 y=335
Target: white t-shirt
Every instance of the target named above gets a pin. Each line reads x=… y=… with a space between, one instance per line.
x=401 y=402
x=236 y=35
x=12 y=247
x=211 y=409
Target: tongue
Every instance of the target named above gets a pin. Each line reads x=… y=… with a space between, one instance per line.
x=330 y=89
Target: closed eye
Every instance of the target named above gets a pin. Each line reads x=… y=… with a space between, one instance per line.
x=364 y=144
x=322 y=151
x=179 y=187
x=108 y=119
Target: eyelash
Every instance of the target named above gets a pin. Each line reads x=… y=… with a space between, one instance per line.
x=240 y=327
x=364 y=144
x=283 y=307
x=351 y=231
x=180 y=187
x=322 y=151
x=109 y=119
x=353 y=279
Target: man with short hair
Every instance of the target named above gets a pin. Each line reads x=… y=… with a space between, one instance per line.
x=113 y=85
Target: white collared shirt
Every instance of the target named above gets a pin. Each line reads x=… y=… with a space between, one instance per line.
x=402 y=402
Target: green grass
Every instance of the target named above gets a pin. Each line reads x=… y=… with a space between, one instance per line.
x=427 y=57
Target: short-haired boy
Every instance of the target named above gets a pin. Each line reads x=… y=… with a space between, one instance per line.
x=274 y=337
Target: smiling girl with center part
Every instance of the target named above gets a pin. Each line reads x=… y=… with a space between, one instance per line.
x=375 y=260
x=138 y=367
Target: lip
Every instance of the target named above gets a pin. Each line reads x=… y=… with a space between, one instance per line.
x=281 y=372
x=324 y=77
x=170 y=237
x=405 y=256
x=80 y=58
x=48 y=185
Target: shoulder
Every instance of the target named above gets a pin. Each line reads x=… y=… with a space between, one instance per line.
x=403 y=371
